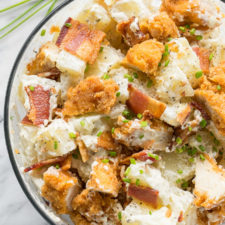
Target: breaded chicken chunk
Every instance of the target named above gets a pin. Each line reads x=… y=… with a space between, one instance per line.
x=217 y=74
x=131 y=32
x=90 y=95
x=209 y=184
x=145 y=56
x=161 y=27
x=79 y=40
x=104 y=177
x=59 y=189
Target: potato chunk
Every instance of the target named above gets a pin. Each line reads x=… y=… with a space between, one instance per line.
x=79 y=40
x=91 y=95
x=59 y=189
x=145 y=56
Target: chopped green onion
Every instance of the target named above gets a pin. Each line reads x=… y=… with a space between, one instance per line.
x=141 y=136
x=192 y=31
x=187 y=26
x=150 y=212
x=203 y=123
x=211 y=56
x=179 y=141
x=192 y=151
x=199 y=138
x=99 y=133
x=105 y=76
x=170 y=39
x=117 y=94
x=180 y=171
x=198 y=74
x=127 y=180
x=183 y=29
x=129 y=77
x=72 y=135
x=75 y=156
x=31 y=88
x=218 y=87
x=82 y=123
x=112 y=154
x=87 y=68
x=127 y=171
x=202 y=157
x=199 y=37
x=126 y=113
x=154 y=156
x=166 y=52
x=132 y=161
x=201 y=147
x=68 y=25
x=57 y=166
x=105 y=160
x=43 y=32
x=141 y=171
x=101 y=49
x=189 y=129
x=135 y=75
x=120 y=215
x=137 y=182
x=125 y=121
x=184 y=184
x=178 y=181
x=179 y=150
x=191 y=160
x=113 y=130
x=55 y=145
x=167 y=63
x=150 y=83
x=139 y=116
x=144 y=123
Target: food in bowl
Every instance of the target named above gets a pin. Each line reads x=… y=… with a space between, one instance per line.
x=125 y=113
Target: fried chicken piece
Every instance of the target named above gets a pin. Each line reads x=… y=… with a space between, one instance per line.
x=203 y=55
x=90 y=95
x=45 y=59
x=145 y=56
x=139 y=103
x=79 y=40
x=107 y=142
x=209 y=193
x=217 y=74
x=59 y=189
x=131 y=32
x=161 y=27
x=104 y=178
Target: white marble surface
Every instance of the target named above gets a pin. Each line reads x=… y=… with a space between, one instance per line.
x=15 y=208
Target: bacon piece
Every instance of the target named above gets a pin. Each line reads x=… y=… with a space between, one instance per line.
x=45 y=163
x=132 y=36
x=181 y=217
x=142 y=156
x=79 y=40
x=39 y=105
x=203 y=55
x=144 y=194
x=200 y=107
x=91 y=95
x=145 y=56
x=139 y=102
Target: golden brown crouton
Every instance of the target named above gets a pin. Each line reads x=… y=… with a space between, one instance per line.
x=91 y=95
x=79 y=40
x=89 y=204
x=161 y=27
x=131 y=32
x=104 y=178
x=215 y=106
x=145 y=56
x=43 y=62
x=203 y=55
x=209 y=184
x=217 y=74
x=59 y=189
x=66 y=164
x=139 y=102
x=107 y=142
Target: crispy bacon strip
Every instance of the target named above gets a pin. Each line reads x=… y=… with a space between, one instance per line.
x=79 y=40
x=199 y=107
x=144 y=194
x=45 y=163
x=142 y=156
x=181 y=217
x=139 y=102
x=39 y=106
x=203 y=55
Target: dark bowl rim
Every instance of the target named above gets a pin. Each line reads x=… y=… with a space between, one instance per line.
x=6 y=111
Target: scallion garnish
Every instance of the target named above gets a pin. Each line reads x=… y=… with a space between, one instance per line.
x=105 y=160
x=198 y=74
x=132 y=161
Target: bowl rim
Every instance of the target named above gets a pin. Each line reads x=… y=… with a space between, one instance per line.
x=6 y=111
